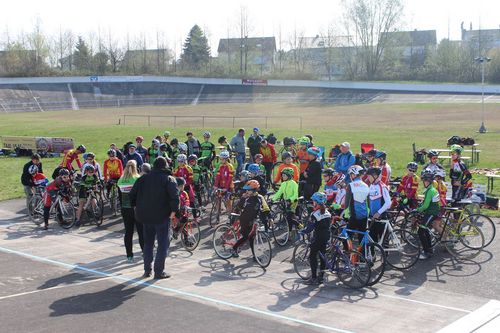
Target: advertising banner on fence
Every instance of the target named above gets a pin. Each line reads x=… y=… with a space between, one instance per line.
x=47 y=144
x=253 y=82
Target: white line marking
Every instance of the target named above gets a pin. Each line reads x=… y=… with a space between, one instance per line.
x=425 y=303
x=175 y=291
x=475 y=321
x=55 y=287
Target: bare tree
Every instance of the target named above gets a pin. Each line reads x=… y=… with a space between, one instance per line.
x=371 y=20
x=115 y=52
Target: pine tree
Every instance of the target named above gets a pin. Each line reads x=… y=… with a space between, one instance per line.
x=82 y=56
x=196 y=52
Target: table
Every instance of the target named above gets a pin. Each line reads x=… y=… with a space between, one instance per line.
x=474 y=152
x=491 y=177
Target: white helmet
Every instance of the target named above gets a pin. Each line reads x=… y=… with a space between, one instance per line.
x=440 y=173
x=224 y=154
x=355 y=170
x=183 y=147
x=181 y=158
x=33 y=169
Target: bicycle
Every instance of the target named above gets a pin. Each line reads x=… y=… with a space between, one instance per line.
x=35 y=206
x=483 y=222
x=281 y=225
x=226 y=235
x=113 y=196
x=62 y=209
x=190 y=233
x=220 y=196
x=460 y=237
x=350 y=266
x=94 y=206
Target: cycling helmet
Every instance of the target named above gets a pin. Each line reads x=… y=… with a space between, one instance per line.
x=192 y=157
x=456 y=149
x=163 y=146
x=319 y=198
x=181 y=158
x=372 y=153
x=207 y=135
x=166 y=133
x=427 y=175
x=224 y=154
x=183 y=147
x=381 y=154
x=355 y=170
x=33 y=169
x=258 y=156
x=314 y=151
x=139 y=138
x=288 y=171
x=338 y=178
x=304 y=141
x=89 y=168
x=174 y=141
x=374 y=171
x=81 y=148
x=91 y=155
x=245 y=174
x=222 y=139
x=112 y=152
x=286 y=155
x=328 y=172
x=84 y=156
x=432 y=153
x=252 y=185
x=155 y=142
x=412 y=166
x=180 y=181
x=63 y=172
x=440 y=173
x=254 y=168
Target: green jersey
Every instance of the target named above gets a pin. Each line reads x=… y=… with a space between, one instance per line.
x=196 y=173
x=89 y=181
x=125 y=186
x=430 y=205
x=207 y=149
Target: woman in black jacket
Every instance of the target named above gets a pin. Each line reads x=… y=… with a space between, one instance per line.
x=312 y=174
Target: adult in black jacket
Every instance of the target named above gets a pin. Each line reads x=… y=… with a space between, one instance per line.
x=312 y=174
x=26 y=178
x=253 y=143
x=155 y=197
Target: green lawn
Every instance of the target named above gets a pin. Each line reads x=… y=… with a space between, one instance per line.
x=97 y=129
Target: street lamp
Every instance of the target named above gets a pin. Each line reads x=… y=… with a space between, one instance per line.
x=482 y=60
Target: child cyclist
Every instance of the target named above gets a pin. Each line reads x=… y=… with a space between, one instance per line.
x=287 y=159
x=89 y=181
x=379 y=201
x=113 y=169
x=289 y=191
x=38 y=178
x=408 y=186
x=62 y=184
x=258 y=158
x=439 y=176
x=430 y=209
x=183 y=170
x=183 y=213
x=256 y=174
x=459 y=174
x=193 y=163
x=207 y=147
x=356 y=200
x=433 y=164
x=224 y=178
x=319 y=223
x=250 y=207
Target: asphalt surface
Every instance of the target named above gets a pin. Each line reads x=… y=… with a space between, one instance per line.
x=61 y=280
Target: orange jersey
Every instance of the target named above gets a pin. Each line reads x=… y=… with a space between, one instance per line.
x=303 y=158
x=296 y=173
x=70 y=156
x=441 y=188
x=185 y=172
x=113 y=169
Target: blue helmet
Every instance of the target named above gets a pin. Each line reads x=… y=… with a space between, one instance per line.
x=319 y=198
x=254 y=168
x=314 y=151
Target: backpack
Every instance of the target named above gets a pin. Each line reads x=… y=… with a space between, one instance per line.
x=454 y=140
x=467 y=141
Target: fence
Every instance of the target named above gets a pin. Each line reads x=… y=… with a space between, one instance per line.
x=213 y=121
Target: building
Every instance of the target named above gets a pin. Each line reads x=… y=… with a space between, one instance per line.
x=252 y=54
x=484 y=40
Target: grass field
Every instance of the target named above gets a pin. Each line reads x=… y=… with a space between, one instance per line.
x=391 y=127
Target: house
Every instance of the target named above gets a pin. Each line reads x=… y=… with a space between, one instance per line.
x=483 y=39
x=252 y=54
x=413 y=46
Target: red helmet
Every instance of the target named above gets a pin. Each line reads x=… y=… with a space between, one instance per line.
x=139 y=138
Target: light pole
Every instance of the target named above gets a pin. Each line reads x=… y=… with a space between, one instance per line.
x=482 y=60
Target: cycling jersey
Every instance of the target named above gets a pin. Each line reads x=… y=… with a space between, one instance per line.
x=433 y=167
x=409 y=186
x=97 y=168
x=196 y=173
x=340 y=197
x=303 y=157
x=288 y=190
x=380 y=200
x=89 y=181
x=185 y=172
x=385 y=177
x=207 y=149
x=184 y=204
x=269 y=153
x=39 y=179
x=113 y=169
x=125 y=185
x=330 y=191
x=459 y=172
x=152 y=154
x=441 y=188
x=356 y=199
x=56 y=185
x=70 y=156
x=282 y=166
x=430 y=205
x=224 y=176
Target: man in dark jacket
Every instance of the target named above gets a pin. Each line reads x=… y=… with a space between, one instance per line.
x=194 y=146
x=26 y=178
x=253 y=143
x=156 y=200
x=133 y=155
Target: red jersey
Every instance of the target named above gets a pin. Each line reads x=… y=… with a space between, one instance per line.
x=224 y=176
x=303 y=158
x=409 y=186
x=185 y=172
x=113 y=169
x=268 y=153
x=386 y=174
x=184 y=203
x=70 y=156
x=39 y=179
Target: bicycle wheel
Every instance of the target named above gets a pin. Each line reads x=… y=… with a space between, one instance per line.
x=191 y=235
x=465 y=241
x=375 y=257
x=261 y=249
x=280 y=229
x=113 y=200
x=300 y=259
x=36 y=209
x=402 y=249
x=214 y=218
x=353 y=269
x=485 y=224
x=223 y=240
x=65 y=214
x=97 y=212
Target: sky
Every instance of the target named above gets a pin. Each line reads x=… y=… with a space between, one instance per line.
x=219 y=18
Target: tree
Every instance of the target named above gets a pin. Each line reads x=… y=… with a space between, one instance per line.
x=196 y=52
x=371 y=21
x=82 y=56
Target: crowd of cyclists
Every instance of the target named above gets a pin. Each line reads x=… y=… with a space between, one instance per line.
x=308 y=193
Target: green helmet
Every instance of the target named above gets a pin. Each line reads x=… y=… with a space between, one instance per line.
x=166 y=133
x=456 y=149
x=304 y=140
x=287 y=171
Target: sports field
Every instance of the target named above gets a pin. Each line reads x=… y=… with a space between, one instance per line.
x=391 y=127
